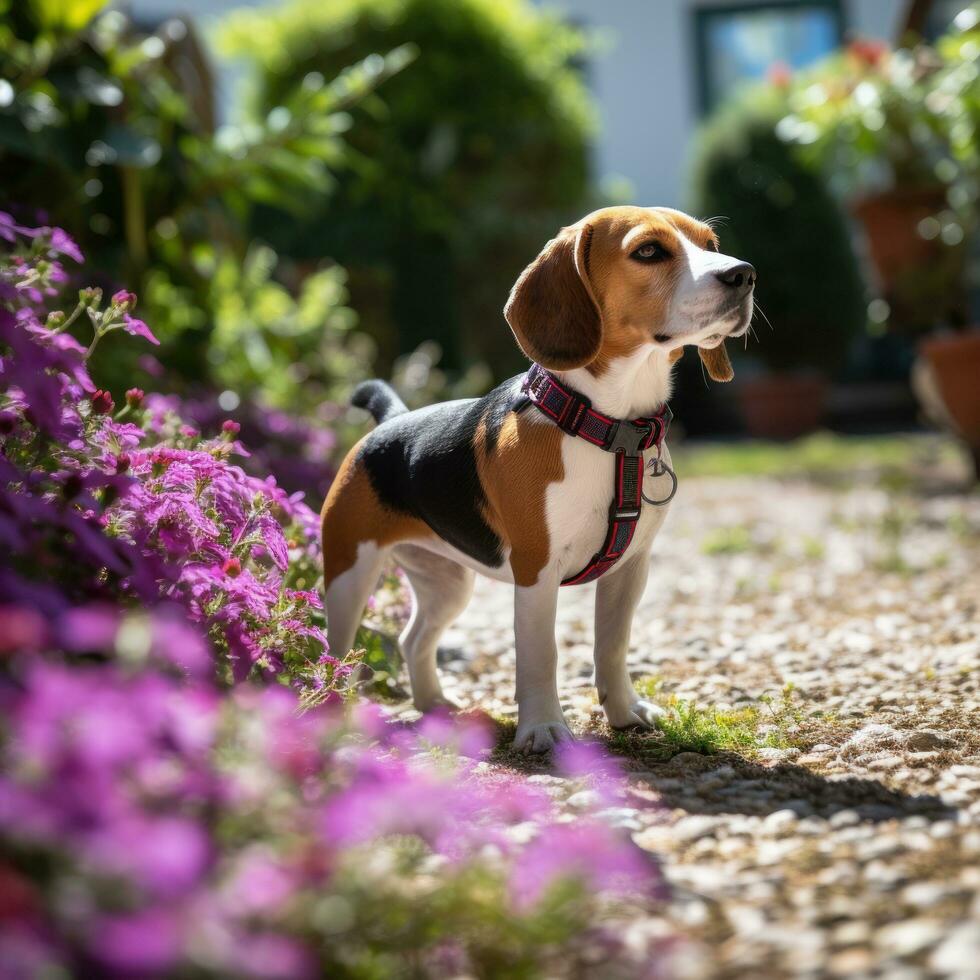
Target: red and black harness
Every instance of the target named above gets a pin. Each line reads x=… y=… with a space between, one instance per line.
x=627 y=438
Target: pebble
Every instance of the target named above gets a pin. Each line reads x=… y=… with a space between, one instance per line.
x=779 y=823
x=689 y=829
x=958 y=955
x=927 y=740
x=909 y=937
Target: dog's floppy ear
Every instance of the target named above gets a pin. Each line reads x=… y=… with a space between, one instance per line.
x=716 y=360
x=551 y=308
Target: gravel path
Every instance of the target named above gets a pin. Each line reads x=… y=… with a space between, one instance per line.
x=845 y=842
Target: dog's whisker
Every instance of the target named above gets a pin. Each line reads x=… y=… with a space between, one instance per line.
x=762 y=313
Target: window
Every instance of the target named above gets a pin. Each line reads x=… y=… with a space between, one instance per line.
x=737 y=44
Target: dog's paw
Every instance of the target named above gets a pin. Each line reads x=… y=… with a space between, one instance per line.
x=437 y=703
x=639 y=714
x=537 y=739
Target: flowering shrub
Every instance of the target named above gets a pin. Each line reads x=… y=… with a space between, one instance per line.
x=158 y=820
x=153 y=826
x=104 y=500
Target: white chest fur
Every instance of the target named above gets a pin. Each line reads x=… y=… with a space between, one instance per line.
x=577 y=507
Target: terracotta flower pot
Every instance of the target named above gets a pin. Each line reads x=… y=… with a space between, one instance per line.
x=782 y=406
x=891 y=223
x=954 y=360
x=921 y=278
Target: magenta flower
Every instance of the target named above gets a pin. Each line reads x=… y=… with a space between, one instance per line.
x=589 y=853
x=137 y=328
x=125 y=300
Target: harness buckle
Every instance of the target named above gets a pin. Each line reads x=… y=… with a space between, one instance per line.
x=628 y=437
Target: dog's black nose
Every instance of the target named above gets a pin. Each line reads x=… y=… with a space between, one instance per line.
x=740 y=276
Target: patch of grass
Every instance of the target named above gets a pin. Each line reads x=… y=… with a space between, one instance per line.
x=779 y=722
x=648 y=687
x=823 y=457
x=813 y=548
x=687 y=728
x=732 y=540
x=960 y=527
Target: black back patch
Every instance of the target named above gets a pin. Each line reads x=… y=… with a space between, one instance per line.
x=424 y=463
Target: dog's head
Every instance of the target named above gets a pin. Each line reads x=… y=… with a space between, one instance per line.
x=626 y=278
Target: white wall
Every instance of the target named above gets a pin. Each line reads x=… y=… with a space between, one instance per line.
x=644 y=80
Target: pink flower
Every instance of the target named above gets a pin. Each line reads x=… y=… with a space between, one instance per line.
x=137 y=328
x=125 y=300
x=134 y=397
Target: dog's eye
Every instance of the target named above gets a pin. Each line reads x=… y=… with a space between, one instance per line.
x=650 y=252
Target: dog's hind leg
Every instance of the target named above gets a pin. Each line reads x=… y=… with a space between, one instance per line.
x=441 y=588
x=359 y=531
x=347 y=595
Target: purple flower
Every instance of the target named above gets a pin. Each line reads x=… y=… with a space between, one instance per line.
x=88 y=628
x=137 y=328
x=142 y=943
x=63 y=244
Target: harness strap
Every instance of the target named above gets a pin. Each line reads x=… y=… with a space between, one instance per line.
x=573 y=413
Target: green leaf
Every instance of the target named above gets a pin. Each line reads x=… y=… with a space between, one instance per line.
x=65 y=16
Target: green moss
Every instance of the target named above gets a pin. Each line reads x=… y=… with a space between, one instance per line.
x=727 y=541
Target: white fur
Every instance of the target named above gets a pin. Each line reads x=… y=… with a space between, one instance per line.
x=694 y=311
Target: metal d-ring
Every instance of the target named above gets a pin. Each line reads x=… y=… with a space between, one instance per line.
x=657 y=467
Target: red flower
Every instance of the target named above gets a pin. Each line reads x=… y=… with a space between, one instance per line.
x=232 y=567
x=867 y=51
x=780 y=74
x=102 y=403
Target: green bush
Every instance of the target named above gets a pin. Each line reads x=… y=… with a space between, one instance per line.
x=476 y=155
x=779 y=216
x=107 y=130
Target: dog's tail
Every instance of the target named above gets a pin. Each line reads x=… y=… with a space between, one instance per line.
x=378 y=398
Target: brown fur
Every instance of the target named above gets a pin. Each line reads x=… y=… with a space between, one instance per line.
x=352 y=513
x=554 y=291
x=525 y=462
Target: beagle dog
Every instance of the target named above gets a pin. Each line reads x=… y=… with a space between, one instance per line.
x=538 y=483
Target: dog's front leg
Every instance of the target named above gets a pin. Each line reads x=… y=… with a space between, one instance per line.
x=540 y=722
x=617 y=596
